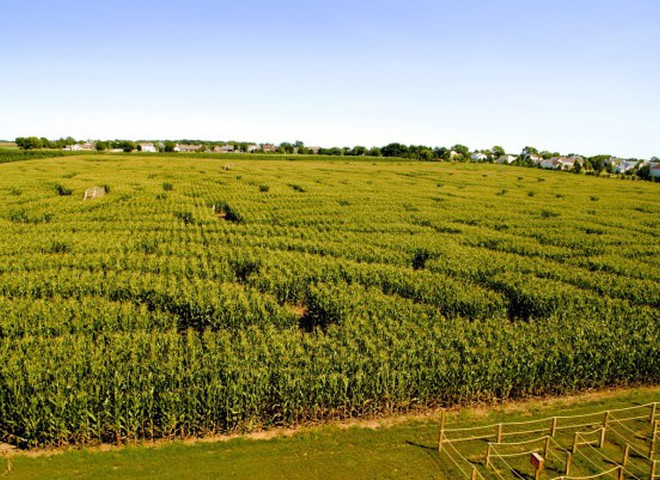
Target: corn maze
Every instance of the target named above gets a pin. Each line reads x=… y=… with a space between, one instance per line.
x=616 y=444
x=191 y=299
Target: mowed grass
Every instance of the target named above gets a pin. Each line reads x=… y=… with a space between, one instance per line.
x=394 y=449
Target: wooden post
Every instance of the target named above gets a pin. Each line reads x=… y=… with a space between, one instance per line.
x=653 y=409
x=653 y=469
x=442 y=430
x=619 y=472
x=553 y=427
x=575 y=441
x=626 y=455
x=569 y=456
x=499 y=433
x=653 y=439
x=474 y=473
x=606 y=419
x=546 y=447
x=488 y=456
x=539 y=463
x=601 y=444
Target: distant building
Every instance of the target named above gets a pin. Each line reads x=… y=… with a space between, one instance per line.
x=268 y=147
x=313 y=150
x=253 y=148
x=184 y=148
x=85 y=147
x=148 y=147
x=551 y=163
x=506 y=159
x=479 y=157
x=537 y=159
x=654 y=170
x=224 y=149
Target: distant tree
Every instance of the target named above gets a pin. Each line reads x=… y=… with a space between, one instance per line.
x=358 y=151
x=644 y=172
x=303 y=150
x=395 y=150
x=442 y=153
x=528 y=152
x=577 y=167
x=28 y=143
x=546 y=155
x=374 y=152
x=426 y=155
x=285 y=147
x=497 y=151
x=168 y=146
x=462 y=149
x=101 y=146
x=126 y=145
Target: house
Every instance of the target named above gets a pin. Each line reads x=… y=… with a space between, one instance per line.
x=506 y=159
x=553 y=163
x=537 y=159
x=268 y=147
x=224 y=149
x=253 y=148
x=147 y=147
x=654 y=171
x=184 y=148
x=624 y=166
x=479 y=157
x=85 y=147
x=314 y=150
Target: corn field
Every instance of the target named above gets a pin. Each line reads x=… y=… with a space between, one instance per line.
x=193 y=299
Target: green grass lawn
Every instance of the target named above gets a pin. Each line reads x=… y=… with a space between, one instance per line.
x=396 y=450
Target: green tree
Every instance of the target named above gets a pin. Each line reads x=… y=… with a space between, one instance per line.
x=28 y=143
x=395 y=150
x=497 y=151
x=374 y=152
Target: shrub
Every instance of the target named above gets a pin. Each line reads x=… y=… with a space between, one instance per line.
x=264 y=188
x=168 y=187
x=62 y=190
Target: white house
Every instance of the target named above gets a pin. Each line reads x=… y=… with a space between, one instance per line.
x=479 y=157
x=537 y=159
x=551 y=163
x=148 y=147
x=506 y=159
x=624 y=166
x=253 y=148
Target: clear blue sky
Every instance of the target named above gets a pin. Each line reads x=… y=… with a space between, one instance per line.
x=568 y=75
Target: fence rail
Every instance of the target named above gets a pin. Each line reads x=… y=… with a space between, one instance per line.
x=612 y=421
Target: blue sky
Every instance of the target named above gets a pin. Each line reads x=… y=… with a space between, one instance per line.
x=573 y=76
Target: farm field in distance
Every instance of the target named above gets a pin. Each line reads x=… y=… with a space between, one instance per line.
x=193 y=299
